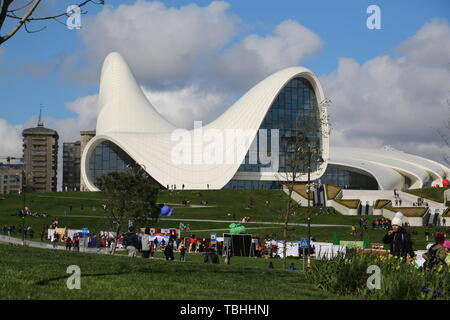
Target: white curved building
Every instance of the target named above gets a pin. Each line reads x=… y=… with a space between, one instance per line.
x=218 y=155
x=247 y=147
x=384 y=169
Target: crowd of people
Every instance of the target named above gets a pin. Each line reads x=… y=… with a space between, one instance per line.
x=141 y=243
x=420 y=203
x=11 y=230
x=381 y=223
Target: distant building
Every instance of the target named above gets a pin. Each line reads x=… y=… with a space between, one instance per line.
x=86 y=136
x=40 y=156
x=71 y=166
x=10 y=178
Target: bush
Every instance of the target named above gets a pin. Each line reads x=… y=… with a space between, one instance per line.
x=349 y=203
x=347 y=275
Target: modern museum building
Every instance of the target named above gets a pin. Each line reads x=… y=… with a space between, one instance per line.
x=275 y=132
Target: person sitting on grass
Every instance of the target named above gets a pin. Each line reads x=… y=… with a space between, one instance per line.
x=211 y=255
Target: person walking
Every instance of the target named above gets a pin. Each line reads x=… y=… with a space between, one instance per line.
x=76 y=243
x=182 y=252
x=145 y=240
x=68 y=242
x=168 y=251
x=131 y=242
x=152 y=249
x=55 y=240
x=398 y=239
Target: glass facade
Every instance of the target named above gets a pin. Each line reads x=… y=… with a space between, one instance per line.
x=107 y=157
x=344 y=178
x=253 y=185
x=294 y=110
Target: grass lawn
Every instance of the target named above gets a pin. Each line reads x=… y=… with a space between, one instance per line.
x=435 y=194
x=220 y=203
x=28 y=273
x=415 y=212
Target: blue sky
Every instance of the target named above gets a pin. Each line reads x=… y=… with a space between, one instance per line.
x=340 y=24
x=193 y=59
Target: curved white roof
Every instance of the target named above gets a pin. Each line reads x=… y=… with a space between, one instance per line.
x=129 y=120
x=389 y=166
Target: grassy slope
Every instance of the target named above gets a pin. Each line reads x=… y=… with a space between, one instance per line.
x=381 y=203
x=226 y=200
x=414 y=212
x=435 y=194
x=107 y=277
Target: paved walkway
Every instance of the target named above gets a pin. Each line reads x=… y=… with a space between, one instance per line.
x=225 y=221
x=262 y=222
x=35 y=244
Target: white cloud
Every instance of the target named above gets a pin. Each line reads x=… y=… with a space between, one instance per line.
x=185 y=57
x=256 y=57
x=191 y=70
x=398 y=101
x=184 y=106
x=170 y=47
x=68 y=129
x=11 y=142
x=162 y=45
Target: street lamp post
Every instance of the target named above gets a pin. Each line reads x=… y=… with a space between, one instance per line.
x=309 y=211
x=23 y=206
x=24 y=199
x=317 y=160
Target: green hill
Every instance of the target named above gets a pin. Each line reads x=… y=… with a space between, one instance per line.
x=116 y=277
x=435 y=194
x=260 y=205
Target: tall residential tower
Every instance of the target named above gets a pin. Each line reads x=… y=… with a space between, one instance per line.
x=40 y=156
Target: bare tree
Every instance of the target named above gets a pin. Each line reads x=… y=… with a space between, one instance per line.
x=302 y=150
x=23 y=15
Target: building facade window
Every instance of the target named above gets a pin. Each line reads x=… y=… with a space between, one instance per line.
x=295 y=108
x=107 y=157
x=253 y=185
x=349 y=179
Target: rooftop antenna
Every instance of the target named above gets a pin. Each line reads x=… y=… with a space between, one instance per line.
x=40 y=122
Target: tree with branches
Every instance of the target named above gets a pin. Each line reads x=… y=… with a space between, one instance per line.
x=23 y=15
x=302 y=149
x=129 y=196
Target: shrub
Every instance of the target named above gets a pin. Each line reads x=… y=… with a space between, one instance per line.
x=347 y=275
x=381 y=203
x=349 y=203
